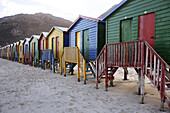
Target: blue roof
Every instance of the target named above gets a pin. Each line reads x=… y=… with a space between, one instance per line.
x=114 y=9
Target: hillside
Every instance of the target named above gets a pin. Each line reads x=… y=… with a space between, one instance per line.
x=17 y=27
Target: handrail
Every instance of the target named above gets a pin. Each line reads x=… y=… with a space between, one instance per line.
x=137 y=54
x=73 y=55
x=146 y=43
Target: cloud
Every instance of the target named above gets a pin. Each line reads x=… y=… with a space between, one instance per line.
x=68 y=9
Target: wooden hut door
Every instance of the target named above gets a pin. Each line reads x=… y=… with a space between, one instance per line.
x=53 y=45
x=147 y=28
x=86 y=44
x=126 y=30
x=57 y=47
x=32 y=49
x=78 y=39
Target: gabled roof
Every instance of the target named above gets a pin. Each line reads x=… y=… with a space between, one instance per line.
x=21 y=41
x=62 y=29
x=43 y=33
x=34 y=36
x=114 y=9
x=85 y=17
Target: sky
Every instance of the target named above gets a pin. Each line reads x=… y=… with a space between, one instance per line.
x=67 y=9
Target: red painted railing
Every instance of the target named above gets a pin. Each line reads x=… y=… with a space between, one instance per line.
x=137 y=54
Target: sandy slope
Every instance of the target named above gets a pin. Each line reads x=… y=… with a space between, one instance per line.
x=25 y=89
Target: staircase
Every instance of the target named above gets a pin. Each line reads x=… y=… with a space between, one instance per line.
x=90 y=74
x=136 y=54
x=69 y=67
x=47 y=55
x=70 y=57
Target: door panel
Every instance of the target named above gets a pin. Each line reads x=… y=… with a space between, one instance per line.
x=78 y=39
x=147 y=28
x=86 y=43
x=57 y=47
x=126 y=30
x=53 y=46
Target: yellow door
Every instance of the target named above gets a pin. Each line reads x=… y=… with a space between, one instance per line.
x=78 y=39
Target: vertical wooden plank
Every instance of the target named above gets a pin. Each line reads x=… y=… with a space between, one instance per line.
x=162 y=85
x=142 y=73
x=132 y=53
x=114 y=54
x=78 y=65
x=84 y=70
x=150 y=74
x=124 y=55
x=139 y=50
x=127 y=54
x=106 y=73
x=158 y=64
x=121 y=54
x=154 y=71
x=146 y=63
x=136 y=50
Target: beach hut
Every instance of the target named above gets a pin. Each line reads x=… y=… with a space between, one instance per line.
x=57 y=40
x=86 y=39
x=42 y=43
x=26 y=51
x=8 y=51
x=16 y=51
x=88 y=34
x=33 y=48
x=11 y=51
x=20 y=51
x=137 y=35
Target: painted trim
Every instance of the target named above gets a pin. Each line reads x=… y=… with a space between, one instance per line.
x=114 y=9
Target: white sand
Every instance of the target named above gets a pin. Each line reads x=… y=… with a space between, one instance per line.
x=25 y=89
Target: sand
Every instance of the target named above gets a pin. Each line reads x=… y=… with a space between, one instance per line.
x=26 y=89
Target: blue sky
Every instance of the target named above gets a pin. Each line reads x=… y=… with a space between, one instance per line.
x=68 y=9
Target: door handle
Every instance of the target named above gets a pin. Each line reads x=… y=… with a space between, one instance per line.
x=152 y=37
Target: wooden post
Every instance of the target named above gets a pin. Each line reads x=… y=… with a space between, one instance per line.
x=139 y=80
x=78 y=65
x=142 y=73
x=97 y=76
x=162 y=86
x=125 y=73
x=64 y=68
x=106 y=70
x=84 y=61
x=61 y=66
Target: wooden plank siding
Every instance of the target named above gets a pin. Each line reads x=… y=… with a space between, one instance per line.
x=133 y=9
x=95 y=37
